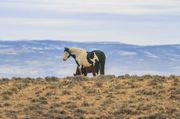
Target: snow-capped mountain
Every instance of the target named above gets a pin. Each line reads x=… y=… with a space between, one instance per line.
x=44 y=58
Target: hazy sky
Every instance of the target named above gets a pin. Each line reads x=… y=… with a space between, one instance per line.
x=144 y=22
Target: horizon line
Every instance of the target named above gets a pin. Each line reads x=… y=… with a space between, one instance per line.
x=112 y=42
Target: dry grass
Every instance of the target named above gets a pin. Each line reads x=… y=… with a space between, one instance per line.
x=134 y=97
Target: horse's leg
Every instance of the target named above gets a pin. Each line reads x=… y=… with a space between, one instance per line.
x=81 y=70
x=94 y=72
x=96 y=68
x=101 y=66
x=85 y=72
x=77 y=72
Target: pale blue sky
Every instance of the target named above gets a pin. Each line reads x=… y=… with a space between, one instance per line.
x=143 y=22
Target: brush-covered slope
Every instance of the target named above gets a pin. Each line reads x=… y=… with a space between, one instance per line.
x=44 y=58
x=146 y=97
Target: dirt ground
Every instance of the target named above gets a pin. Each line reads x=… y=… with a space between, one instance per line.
x=106 y=97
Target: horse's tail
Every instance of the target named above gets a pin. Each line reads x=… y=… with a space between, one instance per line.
x=102 y=67
x=102 y=63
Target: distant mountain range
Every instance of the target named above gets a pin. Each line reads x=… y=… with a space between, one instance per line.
x=44 y=58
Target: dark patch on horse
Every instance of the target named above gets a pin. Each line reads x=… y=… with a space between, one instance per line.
x=101 y=63
x=90 y=55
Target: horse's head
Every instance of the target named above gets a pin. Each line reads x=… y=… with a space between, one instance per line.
x=66 y=54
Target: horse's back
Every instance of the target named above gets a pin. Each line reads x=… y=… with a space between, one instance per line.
x=100 y=54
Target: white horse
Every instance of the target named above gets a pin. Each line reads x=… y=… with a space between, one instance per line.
x=86 y=59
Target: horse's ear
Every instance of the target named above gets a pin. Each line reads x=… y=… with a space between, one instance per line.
x=66 y=49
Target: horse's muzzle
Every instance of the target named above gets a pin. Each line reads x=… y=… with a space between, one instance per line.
x=64 y=59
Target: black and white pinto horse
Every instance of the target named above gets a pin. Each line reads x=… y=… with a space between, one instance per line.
x=85 y=59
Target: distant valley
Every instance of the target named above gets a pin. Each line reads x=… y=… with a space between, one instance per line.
x=44 y=58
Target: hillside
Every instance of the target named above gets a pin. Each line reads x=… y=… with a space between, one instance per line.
x=44 y=58
x=145 y=97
